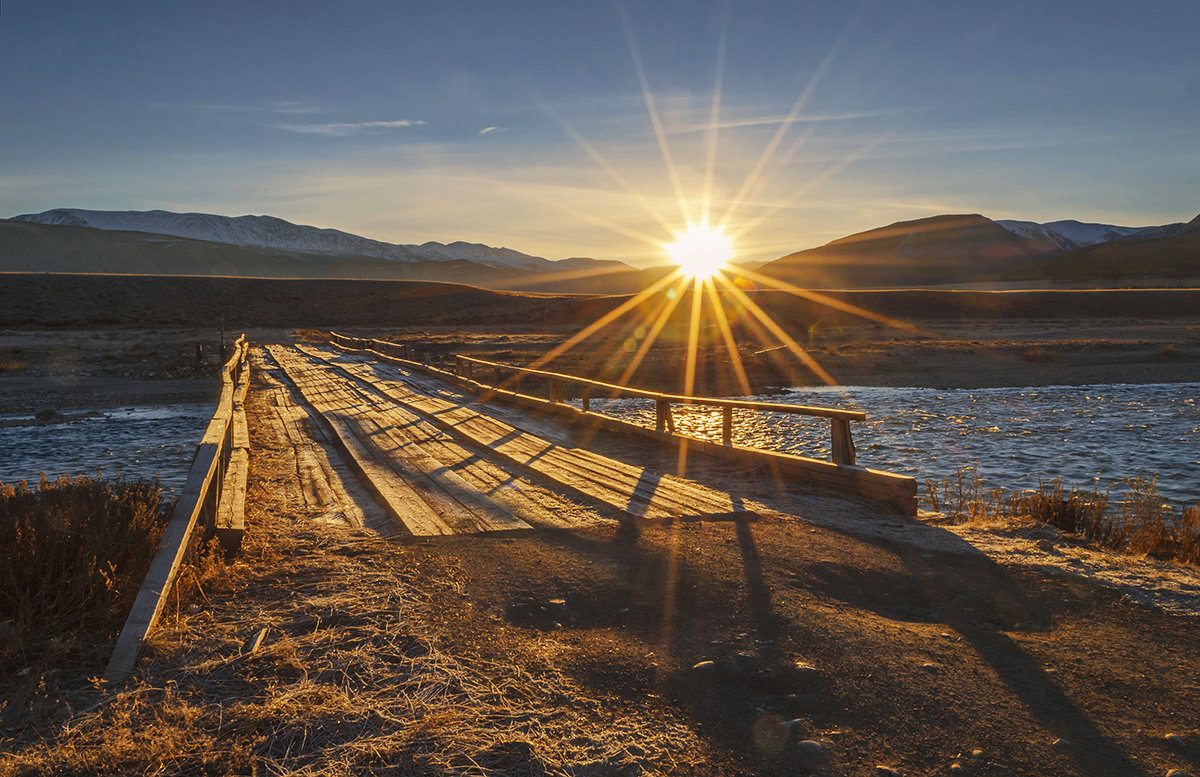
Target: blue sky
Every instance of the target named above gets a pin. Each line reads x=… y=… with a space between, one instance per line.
x=524 y=124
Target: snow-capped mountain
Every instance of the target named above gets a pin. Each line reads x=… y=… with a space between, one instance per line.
x=1076 y=234
x=271 y=232
x=1042 y=235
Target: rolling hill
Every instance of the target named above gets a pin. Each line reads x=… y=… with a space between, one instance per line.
x=936 y=250
x=35 y=247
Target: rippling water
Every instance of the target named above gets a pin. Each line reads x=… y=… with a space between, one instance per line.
x=1088 y=435
x=150 y=442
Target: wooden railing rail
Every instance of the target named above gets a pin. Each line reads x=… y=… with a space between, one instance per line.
x=493 y=374
x=209 y=479
x=842 y=442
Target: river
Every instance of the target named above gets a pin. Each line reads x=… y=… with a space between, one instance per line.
x=148 y=442
x=1090 y=436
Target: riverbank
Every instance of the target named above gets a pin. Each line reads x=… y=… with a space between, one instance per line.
x=59 y=370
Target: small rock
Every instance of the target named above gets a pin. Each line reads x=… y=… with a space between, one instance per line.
x=1061 y=744
x=930 y=667
x=1175 y=741
x=886 y=771
x=806 y=670
x=705 y=666
x=558 y=602
x=957 y=768
x=812 y=749
x=1178 y=773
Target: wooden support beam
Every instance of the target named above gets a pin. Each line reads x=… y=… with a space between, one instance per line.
x=727 y=425
x=843 y=445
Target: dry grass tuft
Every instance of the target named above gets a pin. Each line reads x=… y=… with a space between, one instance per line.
x=1139 y=523
x=75 y=552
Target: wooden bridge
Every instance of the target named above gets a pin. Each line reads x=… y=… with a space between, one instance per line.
x=412 y=450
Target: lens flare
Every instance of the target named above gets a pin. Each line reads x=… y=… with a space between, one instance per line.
x=700 y=250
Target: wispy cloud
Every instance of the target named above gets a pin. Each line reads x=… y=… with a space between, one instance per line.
x=286 y=107
x=342 y=128
x=487 y=130
x=772 y=120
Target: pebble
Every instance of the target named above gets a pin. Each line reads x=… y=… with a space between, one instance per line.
x=1062 y=744
x=1178 y=773
x=930 y=667
x=812 y=749
x=957 y=768
x=886 y=771
x=806 y=669
x=1176 y=740
x=977 y=753
x=704 y=666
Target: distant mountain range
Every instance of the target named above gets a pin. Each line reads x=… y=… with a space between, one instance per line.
x=271 y=232
x=970 y=248
x=935 y=251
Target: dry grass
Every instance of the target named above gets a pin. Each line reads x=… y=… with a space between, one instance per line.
x=351 y=679
x=1139 y=522
x=75 y=553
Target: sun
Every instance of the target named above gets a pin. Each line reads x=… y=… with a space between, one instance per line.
x=701 y=250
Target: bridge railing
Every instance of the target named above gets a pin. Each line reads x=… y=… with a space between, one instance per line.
x=480 y=370
x=213 y=496
x=500 y=375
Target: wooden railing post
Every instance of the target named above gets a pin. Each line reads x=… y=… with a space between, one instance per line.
x=727 y=425
x=555 y=390
x=662 y=416
x=843 y=445
x=586 y=397
x=496 y=376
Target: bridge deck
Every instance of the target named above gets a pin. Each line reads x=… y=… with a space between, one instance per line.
x=440 y=462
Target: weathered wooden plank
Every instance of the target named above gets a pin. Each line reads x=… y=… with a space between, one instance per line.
x=469 y=511
x=406 y=505
x=616 y=484
x=231 y=512
x=165 y=564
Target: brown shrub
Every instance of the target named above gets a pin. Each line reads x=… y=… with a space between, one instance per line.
x=1139 y=523
x=75 y=553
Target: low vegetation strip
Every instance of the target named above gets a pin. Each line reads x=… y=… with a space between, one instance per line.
x=75 y=552
x=1138 y=522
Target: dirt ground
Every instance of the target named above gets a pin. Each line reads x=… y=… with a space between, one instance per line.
x=774 y=642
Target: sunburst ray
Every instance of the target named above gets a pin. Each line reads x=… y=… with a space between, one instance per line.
x=655 y=120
